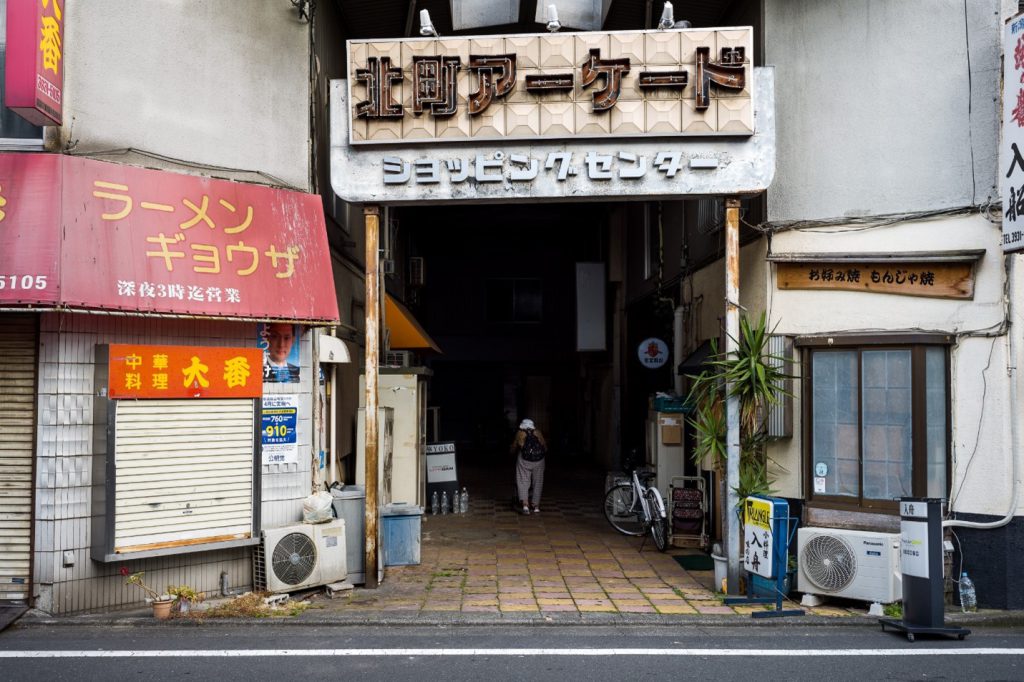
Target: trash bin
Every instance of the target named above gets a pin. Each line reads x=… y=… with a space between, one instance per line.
x=400 y=526
x=350 y=505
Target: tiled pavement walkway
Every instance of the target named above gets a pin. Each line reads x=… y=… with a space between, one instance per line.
x=565 y=559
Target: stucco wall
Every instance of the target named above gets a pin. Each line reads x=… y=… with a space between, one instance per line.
x=980 y=440
x=212 y=82
x=883 y=107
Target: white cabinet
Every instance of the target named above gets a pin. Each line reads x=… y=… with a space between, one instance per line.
x=665 y=447
x=385 y=452
x=404 y=391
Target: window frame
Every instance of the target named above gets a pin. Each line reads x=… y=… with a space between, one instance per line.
x=917 y=344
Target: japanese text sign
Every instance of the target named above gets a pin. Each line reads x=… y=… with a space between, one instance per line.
x=134 y=239
x=624 y=83
x=1011 y=150
x=278 y=429
x=758 y=529
x=184 y=372
x=34 y=67
x=933 y=280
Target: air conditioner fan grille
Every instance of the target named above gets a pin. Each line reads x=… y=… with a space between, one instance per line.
x=294 y=558
x=828 y=561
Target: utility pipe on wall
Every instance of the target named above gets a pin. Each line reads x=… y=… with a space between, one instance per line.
x=371 y=215
x=731 y=522
x=677 y=349
x=1015 y=454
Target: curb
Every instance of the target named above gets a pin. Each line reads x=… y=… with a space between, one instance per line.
x=390 y=619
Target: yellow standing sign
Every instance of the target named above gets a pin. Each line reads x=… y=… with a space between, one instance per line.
x=758 y=539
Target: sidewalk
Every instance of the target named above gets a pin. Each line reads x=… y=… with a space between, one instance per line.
x=564 y=565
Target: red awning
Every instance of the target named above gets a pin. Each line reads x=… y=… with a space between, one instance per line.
x=90 y=235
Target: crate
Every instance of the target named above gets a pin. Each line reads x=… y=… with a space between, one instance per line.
x=688 y=506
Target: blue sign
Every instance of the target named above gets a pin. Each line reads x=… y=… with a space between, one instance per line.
x=278 y=429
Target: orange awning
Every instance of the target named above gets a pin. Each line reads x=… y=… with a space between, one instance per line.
x=403 y=329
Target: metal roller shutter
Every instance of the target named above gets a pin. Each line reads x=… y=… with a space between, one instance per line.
x=184 y=472
x=18 y=345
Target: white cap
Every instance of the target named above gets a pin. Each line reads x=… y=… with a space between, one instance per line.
x=526 y=424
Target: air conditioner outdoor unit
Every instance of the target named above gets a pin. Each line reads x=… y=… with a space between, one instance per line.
x=399 y=358
x=302 y=555
x=851 y=564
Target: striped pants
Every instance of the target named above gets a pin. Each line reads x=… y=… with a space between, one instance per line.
x=527 y=472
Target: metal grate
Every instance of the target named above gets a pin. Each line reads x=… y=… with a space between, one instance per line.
x=294 y=558
x=828 y=562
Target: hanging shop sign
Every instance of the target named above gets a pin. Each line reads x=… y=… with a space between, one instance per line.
x=34 y=60
x=1011 y=146
x=931 y=279
x=88 y=234
x=552 y=86
x=643 y=114
x=280 y=418
x=652 y=353
x=136 y=371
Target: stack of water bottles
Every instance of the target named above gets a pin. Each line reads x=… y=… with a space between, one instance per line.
x=459 y=502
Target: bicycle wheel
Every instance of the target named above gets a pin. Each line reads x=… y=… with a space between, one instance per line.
x=622 y=509
x=659 y=524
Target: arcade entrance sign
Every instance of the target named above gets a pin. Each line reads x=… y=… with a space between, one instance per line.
x=636 y=114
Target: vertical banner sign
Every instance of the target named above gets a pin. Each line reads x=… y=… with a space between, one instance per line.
x=914 y=539
x=1011 y=151
x=758 y=517
x=278 y=428
x=34 y=67
x=441 y=472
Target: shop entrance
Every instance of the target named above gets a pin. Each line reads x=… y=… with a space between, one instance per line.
x=497 y=291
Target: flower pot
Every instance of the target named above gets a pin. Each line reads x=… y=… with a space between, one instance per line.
x=162 y=609
x=721 y=571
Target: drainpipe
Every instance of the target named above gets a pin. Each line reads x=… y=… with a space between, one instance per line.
x=677 y=349
x=372 y=218
x=1011 y=372
x=731 y=522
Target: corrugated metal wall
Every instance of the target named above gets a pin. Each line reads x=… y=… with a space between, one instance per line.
x=64 y=463
x=184 y=472
x=17 y=425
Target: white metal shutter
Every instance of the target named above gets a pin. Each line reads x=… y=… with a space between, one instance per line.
x=184 y=472
x=18 y=344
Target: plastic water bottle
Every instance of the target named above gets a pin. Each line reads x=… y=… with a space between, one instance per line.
x=464 y=501
x=444 y=502
x=435 y=504
x=968 y=597
x=455 y=501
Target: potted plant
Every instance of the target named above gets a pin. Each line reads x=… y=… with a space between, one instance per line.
x=757 y=380
x=184 y=597
x=161 y=602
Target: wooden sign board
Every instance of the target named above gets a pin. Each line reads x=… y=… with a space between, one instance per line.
x=934 y=280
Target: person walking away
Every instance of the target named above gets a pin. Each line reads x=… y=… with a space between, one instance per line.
x=531 y=447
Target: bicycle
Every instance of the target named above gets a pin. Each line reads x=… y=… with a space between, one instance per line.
x=634 y=509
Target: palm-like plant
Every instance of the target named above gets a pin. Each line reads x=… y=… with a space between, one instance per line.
x=757 y=379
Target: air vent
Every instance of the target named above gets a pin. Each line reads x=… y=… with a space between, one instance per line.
x=417 y=271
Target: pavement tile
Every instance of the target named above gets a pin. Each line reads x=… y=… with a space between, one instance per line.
x=493 y=601
x=675 y=608
x=467 y=608
x=557 y=607
x=590 y=608
x=446 y=606
x=510 y=608
x=630 y=602
x=549 y=601
x=712 y=609
x=588 y=594
x=636 y=609
x=829 y=611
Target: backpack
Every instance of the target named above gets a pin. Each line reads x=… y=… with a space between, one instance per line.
x=532 y=450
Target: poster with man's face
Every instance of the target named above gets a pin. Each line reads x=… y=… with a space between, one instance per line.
x=280 y=344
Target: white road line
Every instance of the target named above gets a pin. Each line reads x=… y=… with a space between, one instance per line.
x=256 y=653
